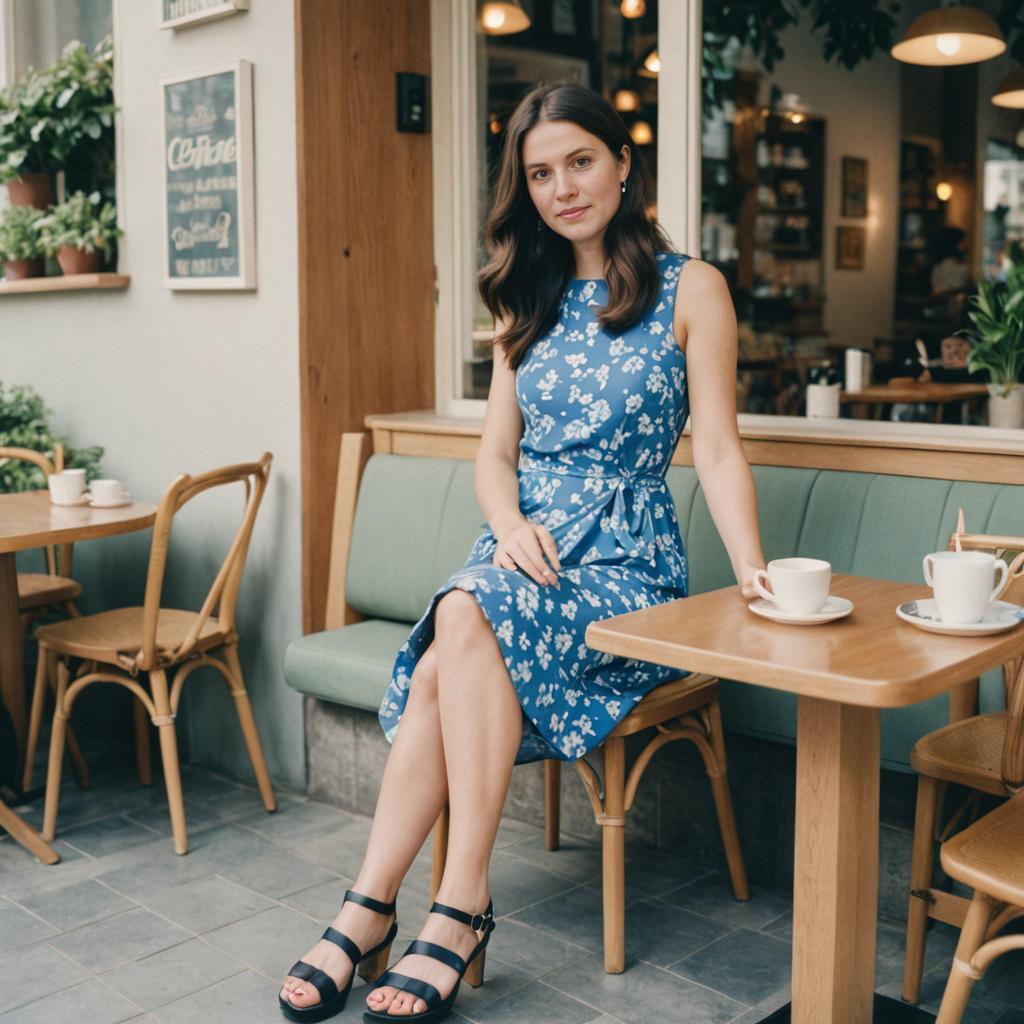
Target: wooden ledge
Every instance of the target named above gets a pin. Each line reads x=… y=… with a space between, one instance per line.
x=65 y=283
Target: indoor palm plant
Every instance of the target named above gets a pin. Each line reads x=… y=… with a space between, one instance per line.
x=997 y=312
x=78 y=230
x=20 y=248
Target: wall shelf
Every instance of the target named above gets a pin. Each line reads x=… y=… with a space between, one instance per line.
x=65 y=283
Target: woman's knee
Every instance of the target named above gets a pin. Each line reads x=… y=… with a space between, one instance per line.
x=458 y=619
x=424 y=676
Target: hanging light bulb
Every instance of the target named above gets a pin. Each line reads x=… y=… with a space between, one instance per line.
x=625 y=100
x=633 y=8
x=1011 y=90
x=944 y=191
x=641 y=133
x=948 y=36
x=503 y=17
x=651 y=65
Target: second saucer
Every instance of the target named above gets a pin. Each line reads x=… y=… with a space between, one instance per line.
x=834 y=608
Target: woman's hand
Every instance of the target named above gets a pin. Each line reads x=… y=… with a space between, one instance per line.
x=746 y=580
x=524 y=547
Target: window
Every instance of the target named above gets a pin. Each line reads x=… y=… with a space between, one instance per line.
x=40 y=29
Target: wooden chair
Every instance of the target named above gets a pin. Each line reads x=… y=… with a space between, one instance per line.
x=989 y=857
x=982 y=753
x=40 y=590
x=119 y=646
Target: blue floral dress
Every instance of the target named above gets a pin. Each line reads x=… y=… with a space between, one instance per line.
x=602 y=415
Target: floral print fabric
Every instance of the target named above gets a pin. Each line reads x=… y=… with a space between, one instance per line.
x=602 y=415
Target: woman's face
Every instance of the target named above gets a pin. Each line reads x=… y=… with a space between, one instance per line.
x=574 y=179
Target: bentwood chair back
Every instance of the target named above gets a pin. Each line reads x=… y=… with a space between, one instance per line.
x=164 y=645
x=984 y=753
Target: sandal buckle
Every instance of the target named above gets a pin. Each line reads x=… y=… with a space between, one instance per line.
x=482 y=922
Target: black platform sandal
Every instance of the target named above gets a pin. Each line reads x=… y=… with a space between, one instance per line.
x=369 y=966
x=472 y=969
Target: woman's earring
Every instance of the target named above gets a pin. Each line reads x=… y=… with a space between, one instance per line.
x=623 y=188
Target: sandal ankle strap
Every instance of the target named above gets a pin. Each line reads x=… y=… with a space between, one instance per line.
x=478 y=922
x=377 y=906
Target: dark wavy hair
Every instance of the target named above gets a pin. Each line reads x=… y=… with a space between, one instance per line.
x=528 y=269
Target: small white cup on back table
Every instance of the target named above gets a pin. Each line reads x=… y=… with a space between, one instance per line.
x=106 y=490
x=799 y=585
x=65 y=488
x=962 y=583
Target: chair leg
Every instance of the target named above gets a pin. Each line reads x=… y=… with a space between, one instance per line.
x=552 y=803
x=164 y=721
x=57 y=733
x=962 y=976
x=440 y=851
x=922 y=865
x=613 y=854
x=724 y=808
x=248 y=723
x=143 y=755
x=35 y=721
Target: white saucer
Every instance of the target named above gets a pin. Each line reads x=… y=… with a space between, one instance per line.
x=125 y=499
x=999 y=617
x=82 y=500
x=834 y=608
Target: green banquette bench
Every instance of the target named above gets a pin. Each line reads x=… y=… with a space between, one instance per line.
x=416 y=517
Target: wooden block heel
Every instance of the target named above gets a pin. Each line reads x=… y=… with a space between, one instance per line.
x=374 y=966
x=475 y=971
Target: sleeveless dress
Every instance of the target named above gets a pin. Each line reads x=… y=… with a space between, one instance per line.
x=602 y=415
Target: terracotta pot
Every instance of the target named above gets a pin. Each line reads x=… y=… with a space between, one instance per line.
x=75 y=261
x=1006 y=410
x=32 y=190
x=17 y=270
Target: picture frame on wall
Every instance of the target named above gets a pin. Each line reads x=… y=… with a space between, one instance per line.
x=208 y=198
x=850 y=245
x=854 y=179
x=175 y=14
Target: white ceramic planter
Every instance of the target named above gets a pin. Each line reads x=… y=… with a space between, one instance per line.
x=1006 y=410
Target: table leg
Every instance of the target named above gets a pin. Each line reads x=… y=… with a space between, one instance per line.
x=12 y=679
x=835 y=883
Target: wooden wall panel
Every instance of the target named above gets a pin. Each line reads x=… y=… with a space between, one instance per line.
x=366 y=274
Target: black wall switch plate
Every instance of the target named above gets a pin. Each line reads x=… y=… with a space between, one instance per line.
x=412 y=93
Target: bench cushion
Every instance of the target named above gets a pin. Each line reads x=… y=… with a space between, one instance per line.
x=417 y=518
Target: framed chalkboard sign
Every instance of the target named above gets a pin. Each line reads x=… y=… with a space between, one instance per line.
x=183 y=13
x=208 y=178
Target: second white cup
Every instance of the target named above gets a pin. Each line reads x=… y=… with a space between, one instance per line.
x=106 y=491
x=799 y=585
x=962 y=583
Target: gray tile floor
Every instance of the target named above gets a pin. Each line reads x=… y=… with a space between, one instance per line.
x=124 y=930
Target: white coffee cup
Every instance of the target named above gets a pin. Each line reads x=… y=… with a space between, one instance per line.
x=105 y=491
x=798 y=585
x=962 y=583
x=66 y=488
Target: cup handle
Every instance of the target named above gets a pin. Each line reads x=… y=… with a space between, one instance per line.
x=760 y=578
x=1004 y=580
x=927 y=566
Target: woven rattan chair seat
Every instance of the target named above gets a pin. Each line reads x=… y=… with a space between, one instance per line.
x=968 y=752
x=990 y=854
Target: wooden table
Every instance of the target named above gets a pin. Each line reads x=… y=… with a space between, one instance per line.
x=29 y=520
x=938 y=393
x=843 y=673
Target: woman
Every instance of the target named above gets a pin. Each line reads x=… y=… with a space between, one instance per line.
x=602 y=328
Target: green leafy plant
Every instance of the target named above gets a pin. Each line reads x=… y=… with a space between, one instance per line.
x=82 y=222
x=25 y=423
x=58 y=115
x=997 y=312
x=19 y=233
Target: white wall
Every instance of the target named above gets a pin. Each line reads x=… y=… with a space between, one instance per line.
x=173 y=382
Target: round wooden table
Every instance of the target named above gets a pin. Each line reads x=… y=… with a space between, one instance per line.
x=29 y=520
x=937 y=392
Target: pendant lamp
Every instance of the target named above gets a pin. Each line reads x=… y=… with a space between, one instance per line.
x=1011 y=90
x=650 y=65
x=949 y=36
x=503 y=17
x=633 y=8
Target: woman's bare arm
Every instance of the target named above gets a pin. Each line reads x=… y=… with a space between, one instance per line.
x=706 y=323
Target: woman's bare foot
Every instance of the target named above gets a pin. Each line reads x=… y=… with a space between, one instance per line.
x=364 y=927
x=443 y=931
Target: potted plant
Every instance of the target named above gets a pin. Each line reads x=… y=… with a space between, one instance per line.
x=62 y=114
x=78 y=230
x=997 y=312
x=20 y=248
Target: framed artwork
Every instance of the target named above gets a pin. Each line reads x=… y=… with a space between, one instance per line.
x=209 y=209
x=854 y=187
x=183 y=13
x=850 y=245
